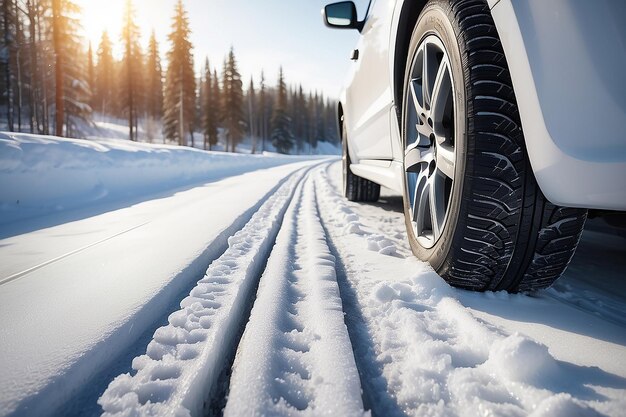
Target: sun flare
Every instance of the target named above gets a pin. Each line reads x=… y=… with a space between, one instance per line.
x=100 y=15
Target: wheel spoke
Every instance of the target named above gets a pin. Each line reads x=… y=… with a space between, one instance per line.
x=415 y=156
x=441 y=90
x=416 y=103
x=415 y=202
x=446 y=160
x=429 y=72
x=421 y=203
x=423 y=129
x=437 y=204
x=420 y=125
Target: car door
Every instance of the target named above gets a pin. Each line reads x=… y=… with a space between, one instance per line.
x=369 y=96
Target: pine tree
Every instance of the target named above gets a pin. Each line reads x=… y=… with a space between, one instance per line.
x=320 y=122
x=232 y=102
x=262 y=122
x=33 y=68
x=301 y=115
x=210 y=107
x=298 y=115
x=57 y=30
x=252 y=109
x=154 y=73
x=200 y=93
x=105 y=71
x=46 y=50
x=180 y=83
x=91 y=75
x=20 y=63
x=313 y=124
x=130 y=86
x=217 y=105
x=8 y=40
x=282 y=138
x=71 y=89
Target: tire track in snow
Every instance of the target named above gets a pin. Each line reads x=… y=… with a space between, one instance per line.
x=185 y=358
x=431 y=355
x=295 y=357
x=376 y=396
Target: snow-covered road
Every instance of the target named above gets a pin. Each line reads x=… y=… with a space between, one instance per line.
x=310 y=305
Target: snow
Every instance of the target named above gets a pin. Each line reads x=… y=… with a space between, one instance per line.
x=295 y=357
x=75 y=296
x=184 y=358
x=128 y=273
x=41 y=175
x=428 y=349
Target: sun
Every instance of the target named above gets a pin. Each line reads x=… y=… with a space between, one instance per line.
x=100 y=15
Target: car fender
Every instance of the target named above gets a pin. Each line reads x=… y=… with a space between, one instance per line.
x=571 y=102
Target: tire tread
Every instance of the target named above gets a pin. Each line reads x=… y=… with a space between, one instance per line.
x=511 y=237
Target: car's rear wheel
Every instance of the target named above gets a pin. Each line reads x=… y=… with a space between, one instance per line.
x=355 y=188
x=472 y=205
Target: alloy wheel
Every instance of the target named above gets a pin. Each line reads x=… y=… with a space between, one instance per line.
x=430 y=153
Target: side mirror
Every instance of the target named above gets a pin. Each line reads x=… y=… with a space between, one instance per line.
x=341 y=15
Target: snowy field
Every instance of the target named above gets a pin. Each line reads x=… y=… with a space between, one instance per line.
x=142 y=279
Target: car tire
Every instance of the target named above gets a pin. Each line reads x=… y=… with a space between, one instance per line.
x=356 y=188
x=473 y=208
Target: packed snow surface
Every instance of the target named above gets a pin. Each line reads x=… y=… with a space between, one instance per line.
x=75 y=295
x=185 y=357
x=296 y=353
x=251 y=290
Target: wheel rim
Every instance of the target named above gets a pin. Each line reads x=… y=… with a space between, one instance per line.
x=344 y=163
x=430 y=153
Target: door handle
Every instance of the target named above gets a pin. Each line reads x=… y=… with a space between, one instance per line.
x=354 y=55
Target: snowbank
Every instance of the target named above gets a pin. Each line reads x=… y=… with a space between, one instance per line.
x=42 y=174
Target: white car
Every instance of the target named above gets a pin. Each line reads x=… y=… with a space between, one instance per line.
x=500 y=121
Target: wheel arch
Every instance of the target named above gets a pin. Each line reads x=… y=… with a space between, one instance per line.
x=340 y=118
x=406 y=23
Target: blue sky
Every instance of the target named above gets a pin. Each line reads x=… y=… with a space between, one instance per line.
x=265 y=34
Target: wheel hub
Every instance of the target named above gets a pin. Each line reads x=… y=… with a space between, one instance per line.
x=430 y=154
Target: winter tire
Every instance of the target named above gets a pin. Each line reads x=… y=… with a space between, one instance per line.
x=472 y=206
x=356 y=188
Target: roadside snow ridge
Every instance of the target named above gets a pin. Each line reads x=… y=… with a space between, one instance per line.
x=185 y=357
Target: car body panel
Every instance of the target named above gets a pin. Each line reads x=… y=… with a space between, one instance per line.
x=566 y=61
x=369 y=100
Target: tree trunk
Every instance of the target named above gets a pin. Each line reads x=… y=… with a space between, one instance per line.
x=19 y=37
x=130 y=92
x=59 y=70
x=251 y=121
x=34 y=108
x=181 y=115
x=45 y=117
x=7 y=72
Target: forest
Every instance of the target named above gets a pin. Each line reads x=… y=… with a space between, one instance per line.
x=54 y=82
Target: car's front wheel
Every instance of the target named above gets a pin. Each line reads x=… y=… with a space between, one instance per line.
x=472 y=205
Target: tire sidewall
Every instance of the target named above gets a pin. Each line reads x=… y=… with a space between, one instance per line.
x=434 y=20
x=345 y=160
